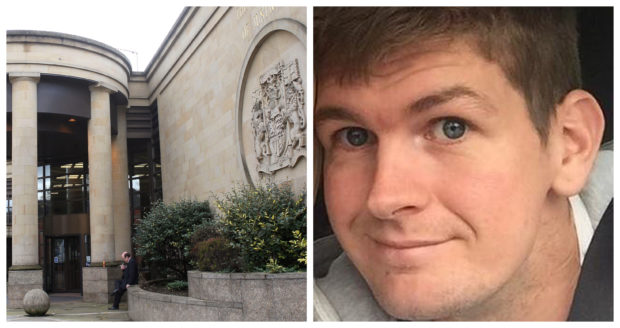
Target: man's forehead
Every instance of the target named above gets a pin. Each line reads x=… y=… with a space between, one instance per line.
x=416 y=76
x=400 y=59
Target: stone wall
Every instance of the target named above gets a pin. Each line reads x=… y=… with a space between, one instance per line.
x=226 y=297
x=148 y=306
x=98 y=283
x=265 y=297
x=20 y=282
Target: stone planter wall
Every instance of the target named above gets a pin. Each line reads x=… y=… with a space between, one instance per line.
x=226 y=297
x=149 y=306
x=272 y=297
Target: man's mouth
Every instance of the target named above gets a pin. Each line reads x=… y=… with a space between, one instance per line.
x=405 y=244
x=407 y=253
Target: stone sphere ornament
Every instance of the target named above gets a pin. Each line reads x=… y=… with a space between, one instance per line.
x=36 y=302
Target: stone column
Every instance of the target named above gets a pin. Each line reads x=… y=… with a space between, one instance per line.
x=120 y=187
x=100 y=175
x=25 y=273
x=97 y=280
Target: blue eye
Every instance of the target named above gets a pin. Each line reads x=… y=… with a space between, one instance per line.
x=454 y=129
x=450 y=128
x=356 y=137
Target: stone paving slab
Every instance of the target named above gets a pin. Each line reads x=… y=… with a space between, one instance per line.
x=73 y=310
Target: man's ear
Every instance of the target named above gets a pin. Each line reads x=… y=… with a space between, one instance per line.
x=580 y=123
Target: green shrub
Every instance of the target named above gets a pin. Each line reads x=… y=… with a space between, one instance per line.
x=162 y=237
x=216 y=254
x=267 y=225
x=205 y=231
x=177 y=285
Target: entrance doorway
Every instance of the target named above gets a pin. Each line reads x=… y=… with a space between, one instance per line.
x=65 y=263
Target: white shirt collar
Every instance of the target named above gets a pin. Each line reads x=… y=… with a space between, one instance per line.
x=588 y=207
x=583 y=225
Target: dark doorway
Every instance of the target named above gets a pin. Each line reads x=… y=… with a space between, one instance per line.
x=64 y=258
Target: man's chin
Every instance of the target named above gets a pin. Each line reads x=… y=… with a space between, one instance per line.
x=433 y=305
x=410 y=311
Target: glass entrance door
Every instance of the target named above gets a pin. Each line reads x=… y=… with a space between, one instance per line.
x=66 y=266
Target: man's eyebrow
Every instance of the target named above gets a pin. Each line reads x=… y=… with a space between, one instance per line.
x=427 y=102
x=445 y=96
x=335 y=113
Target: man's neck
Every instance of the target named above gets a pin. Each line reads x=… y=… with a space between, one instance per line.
x=542 y=289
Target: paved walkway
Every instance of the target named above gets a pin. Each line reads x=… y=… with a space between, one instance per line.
x=70 y=307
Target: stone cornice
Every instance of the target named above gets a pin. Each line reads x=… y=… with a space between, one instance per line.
x=100 y=85
x=16 y=76
x=63 y=36
x=25 y=267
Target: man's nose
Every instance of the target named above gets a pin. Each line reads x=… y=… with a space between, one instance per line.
x=401 y=182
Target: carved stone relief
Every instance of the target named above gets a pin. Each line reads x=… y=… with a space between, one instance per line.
x=279 y=118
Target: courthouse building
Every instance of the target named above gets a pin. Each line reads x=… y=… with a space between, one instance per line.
x=91 y=143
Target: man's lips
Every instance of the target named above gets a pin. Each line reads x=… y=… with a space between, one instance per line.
x=406 y=254
x=406 y=244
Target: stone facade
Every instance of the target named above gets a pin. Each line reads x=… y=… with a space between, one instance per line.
x=197 y=96
x=30 y=55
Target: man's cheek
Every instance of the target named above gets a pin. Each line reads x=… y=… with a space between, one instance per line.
x=494 y=204
x=345 y=190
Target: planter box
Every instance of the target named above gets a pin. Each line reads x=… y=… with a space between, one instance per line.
x=264 y=296
x=226 y=297
x=149 y=306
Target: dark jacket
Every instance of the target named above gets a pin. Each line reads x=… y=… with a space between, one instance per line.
x=124 y=276
x=594 y=295
x=130 y=276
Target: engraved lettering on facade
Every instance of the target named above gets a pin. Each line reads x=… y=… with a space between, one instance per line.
x=241 y=11
x=256 y=19
x=279 y=118
x=245 y=31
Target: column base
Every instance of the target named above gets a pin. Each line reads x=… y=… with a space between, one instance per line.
x=98 y=283
x=20 y=282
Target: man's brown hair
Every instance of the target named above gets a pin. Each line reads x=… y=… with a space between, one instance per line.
x=535 y=47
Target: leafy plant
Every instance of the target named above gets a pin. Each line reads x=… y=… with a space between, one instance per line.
x=205 y=231
x=267 y=225
x=162 y=237
x=177 y=285
x=216 y=254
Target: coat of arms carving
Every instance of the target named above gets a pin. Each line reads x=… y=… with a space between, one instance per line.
x=279 y=118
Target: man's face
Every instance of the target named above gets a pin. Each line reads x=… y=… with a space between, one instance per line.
x=435 y=180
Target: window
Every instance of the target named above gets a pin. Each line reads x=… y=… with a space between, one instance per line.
x=62 y=189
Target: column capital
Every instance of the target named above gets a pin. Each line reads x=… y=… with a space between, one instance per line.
x=17 y=76
x=103 y=87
